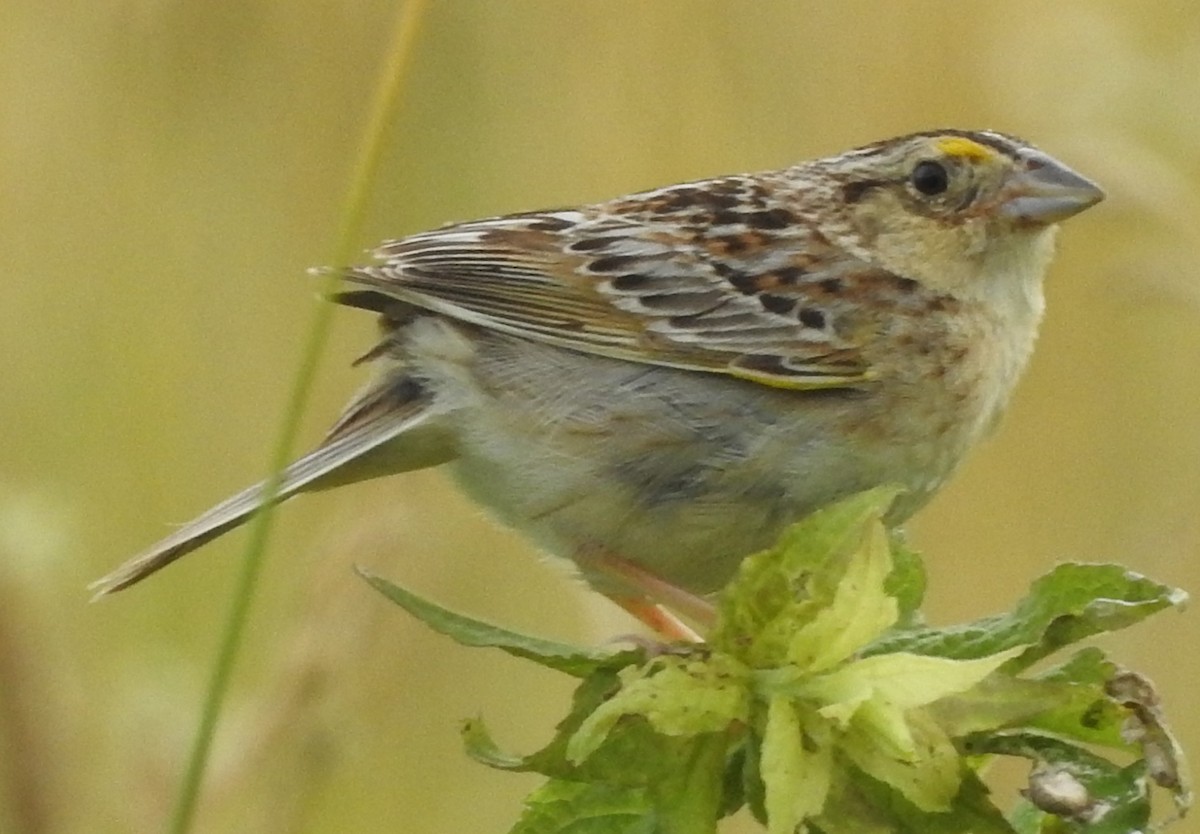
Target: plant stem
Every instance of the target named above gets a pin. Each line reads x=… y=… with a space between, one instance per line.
x=383 y=107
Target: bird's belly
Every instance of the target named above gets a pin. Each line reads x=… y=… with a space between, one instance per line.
x=681 y=473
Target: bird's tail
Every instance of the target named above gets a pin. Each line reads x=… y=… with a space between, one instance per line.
x=383 y=412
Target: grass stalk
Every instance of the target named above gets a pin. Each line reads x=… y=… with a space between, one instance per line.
x=383 y=109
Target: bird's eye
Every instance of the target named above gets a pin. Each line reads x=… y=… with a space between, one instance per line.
x=930 y=178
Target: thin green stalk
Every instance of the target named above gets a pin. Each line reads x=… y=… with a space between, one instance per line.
x=383 y=107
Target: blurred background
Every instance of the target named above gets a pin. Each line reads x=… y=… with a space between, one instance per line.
x=169 y=169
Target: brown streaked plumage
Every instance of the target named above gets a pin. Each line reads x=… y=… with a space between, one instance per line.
x=654 y=386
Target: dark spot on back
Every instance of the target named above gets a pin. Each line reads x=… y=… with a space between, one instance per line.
x=660 y=301
x=770 y=219
x=550 y=224
x=776 y=303
x=676 y=199
x=591 y=244
x=743 y=282
x=833 y=286
x=631 y=283
x=711 y=197
x=682 y=308
x=613 y=263
x=720 y=199
x=905 y=284
x=732 y=244
x=775 y=218
x=789 y=275
x=813 y=318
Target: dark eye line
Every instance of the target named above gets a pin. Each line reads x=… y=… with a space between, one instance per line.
x=852 y=192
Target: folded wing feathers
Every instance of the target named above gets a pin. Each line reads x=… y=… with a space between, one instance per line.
x=606 y=285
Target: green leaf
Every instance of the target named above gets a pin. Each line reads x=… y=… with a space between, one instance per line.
x=907 y=581
x=679 y=791
x=686 y=795
x=973 y=810
x=468 y=631
x=779 y=590
x=927 y=774
x=479 y=746
x=678 y=696
x=795 y=773
x=561 y=807
x=863 y=805
x=634 y=754
x=675 y=783
x=859 y=611
x=904 y=680
x=1000 y=701
x=611 y=764
x=734 y=782
x=823 y=705
x=1086 y=666
x=749 y=775
x=1067 y=700
x=1072 y=602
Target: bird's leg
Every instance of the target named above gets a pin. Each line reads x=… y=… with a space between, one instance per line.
x=659 y=620
x=656 y=597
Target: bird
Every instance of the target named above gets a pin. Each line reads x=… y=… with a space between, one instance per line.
x=655 y=386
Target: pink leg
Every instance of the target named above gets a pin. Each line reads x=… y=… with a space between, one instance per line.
x=655 y=597
x=659 y=620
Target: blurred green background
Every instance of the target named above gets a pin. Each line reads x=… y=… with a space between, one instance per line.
x=168 y=170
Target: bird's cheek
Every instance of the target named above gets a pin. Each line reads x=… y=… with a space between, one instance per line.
x=975 y=237
x=868 y=227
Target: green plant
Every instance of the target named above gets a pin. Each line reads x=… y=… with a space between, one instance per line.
x=822 y=703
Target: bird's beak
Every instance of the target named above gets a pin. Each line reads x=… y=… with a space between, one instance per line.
x=1042 y=191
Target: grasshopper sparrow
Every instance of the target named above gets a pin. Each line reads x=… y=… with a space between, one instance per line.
x=655 y=386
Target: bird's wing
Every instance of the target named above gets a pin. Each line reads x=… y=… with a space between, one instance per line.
x=708 y=277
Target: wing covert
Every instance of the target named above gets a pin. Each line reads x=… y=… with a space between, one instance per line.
x=643 y=280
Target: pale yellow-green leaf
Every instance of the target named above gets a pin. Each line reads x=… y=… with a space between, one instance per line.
x=904 y=679
x=841 y=712
x=796 y=779
x=928 y=775
x=888 y=725
x=780 y=590
x=771 y=644
x=678 y=696
x=859 y=612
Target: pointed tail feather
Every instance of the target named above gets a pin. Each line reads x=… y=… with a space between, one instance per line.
x=352 y=439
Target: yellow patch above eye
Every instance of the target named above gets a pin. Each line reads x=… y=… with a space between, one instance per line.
x=963 y=148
